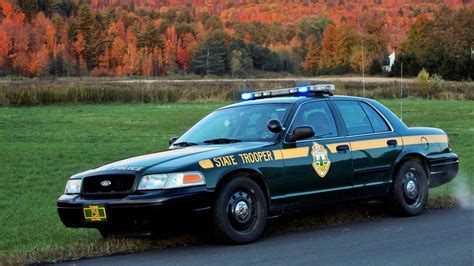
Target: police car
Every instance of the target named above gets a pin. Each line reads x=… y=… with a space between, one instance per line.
x=274 y=152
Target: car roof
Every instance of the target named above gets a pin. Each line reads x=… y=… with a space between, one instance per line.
x=292 y=100
x=289 y=100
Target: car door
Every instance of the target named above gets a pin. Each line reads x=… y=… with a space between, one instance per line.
x=318 y=169
x=373 y=143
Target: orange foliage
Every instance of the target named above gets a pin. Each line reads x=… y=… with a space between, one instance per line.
x=5 y=46
x=183 y=57
x=39 y=62
x=114 y=45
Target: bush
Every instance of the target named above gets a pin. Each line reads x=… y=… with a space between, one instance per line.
x=436 y=85
x=423 y=82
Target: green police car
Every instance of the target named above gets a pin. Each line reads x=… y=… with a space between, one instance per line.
x=275 y=152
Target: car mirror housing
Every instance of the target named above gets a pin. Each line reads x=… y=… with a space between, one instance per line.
x=275 y=126
x=301 y=132
x=173 y=140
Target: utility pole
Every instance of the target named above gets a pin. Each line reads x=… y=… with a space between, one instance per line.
x=207 y=63
x=401 y=91
x=363 y=70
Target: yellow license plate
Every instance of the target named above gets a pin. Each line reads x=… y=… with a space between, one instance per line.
x=95 y=213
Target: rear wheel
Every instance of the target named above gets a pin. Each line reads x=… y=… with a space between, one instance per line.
x=240 y=212
x=410 y=189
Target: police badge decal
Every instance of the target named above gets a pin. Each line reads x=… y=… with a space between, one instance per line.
x=321 y=162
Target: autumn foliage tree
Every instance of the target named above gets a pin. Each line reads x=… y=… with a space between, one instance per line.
x=150 y=38
x=442 y=45
x=311 y=62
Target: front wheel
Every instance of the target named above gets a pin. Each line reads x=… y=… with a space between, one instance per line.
x=410 y=189
x=240 y=212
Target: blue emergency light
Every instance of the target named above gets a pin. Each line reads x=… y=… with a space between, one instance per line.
x=246 y=96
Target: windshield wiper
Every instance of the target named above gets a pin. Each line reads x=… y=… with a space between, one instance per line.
x=184 y=144
x=221 y=141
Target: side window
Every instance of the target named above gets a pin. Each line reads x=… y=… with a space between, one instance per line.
x=378 y=123
x=354 y=117
x=319 y=116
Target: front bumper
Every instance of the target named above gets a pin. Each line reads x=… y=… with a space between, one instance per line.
x=443 y=168
x=140 y=210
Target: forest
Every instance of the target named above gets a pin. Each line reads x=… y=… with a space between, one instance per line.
x=41 y=38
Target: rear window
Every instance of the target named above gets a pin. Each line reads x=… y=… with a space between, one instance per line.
x=354 y=117
x=378 y=123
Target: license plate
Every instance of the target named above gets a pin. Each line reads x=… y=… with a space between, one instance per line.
x=95 y=213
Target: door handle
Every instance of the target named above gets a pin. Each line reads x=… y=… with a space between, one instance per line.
x=392 y=142
x=343 y=147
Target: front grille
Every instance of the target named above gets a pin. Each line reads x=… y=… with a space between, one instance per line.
x=116 y=184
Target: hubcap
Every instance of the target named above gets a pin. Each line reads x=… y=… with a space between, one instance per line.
x=411 y=188
x=241 y=211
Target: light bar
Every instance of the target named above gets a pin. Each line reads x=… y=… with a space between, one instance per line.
x=297 y=91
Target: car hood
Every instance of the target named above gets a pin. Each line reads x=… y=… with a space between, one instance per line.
x=174 y=158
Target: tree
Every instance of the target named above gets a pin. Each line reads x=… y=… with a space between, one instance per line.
x=345 y=40
x=442 y=44
x=86 y=21
x=312 y=26
x=118 y=51
x=263 y=58
x=211 y=57
x=79 y=47
x=338 y=47
x=240 y=62
x=328 y=49
x=91 y=31
x=40 y=62
x=235 y=62
x=374 y=36
x=311 y=61
x=410 y=65
x=375 y=67
x=5 y=46
x=131 y=61
x=150 y=38
x=20 y=56
x=183 y=58
x=28 y=7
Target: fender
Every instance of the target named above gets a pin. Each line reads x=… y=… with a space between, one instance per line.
x=412 y=151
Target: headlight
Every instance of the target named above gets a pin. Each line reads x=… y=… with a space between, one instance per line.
x=173 y=180
x=73 y=186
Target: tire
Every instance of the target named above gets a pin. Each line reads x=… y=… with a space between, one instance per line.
x=410 y=189
x=239 y=213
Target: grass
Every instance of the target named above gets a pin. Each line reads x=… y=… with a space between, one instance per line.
x=42 y=146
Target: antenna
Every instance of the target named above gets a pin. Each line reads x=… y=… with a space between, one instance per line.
x=363 y=72
x=401 y=92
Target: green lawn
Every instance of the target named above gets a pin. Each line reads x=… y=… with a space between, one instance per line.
x=42 y=146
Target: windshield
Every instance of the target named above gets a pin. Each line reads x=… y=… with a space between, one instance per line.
x=235 y=124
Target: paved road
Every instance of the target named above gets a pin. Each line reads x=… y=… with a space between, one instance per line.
x=444 y=237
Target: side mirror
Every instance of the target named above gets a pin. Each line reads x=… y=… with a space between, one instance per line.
x=173 y=140
x=275 y=126
x=301 y=132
